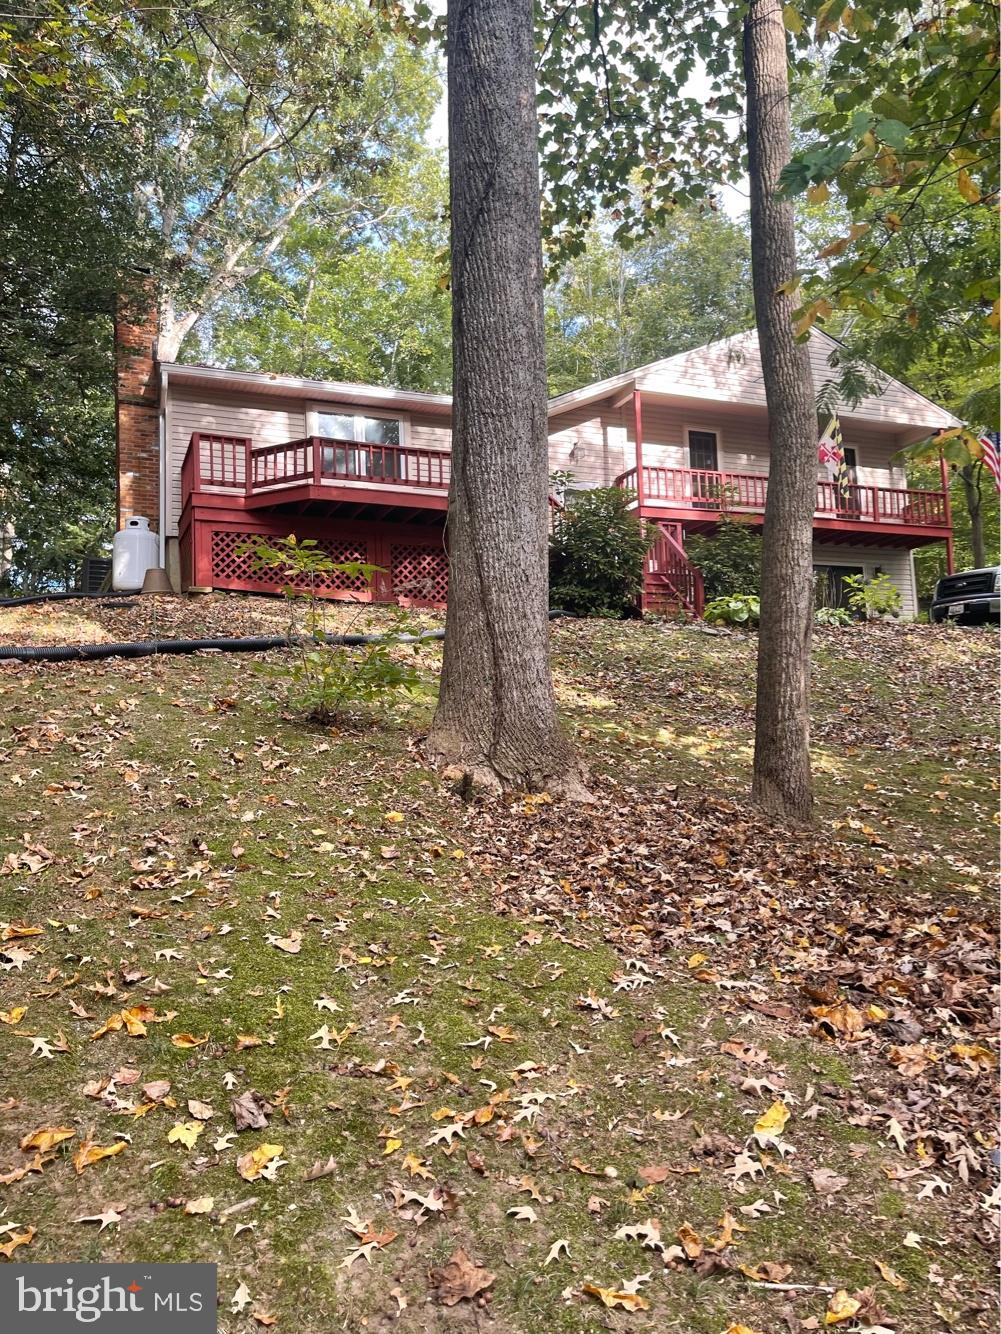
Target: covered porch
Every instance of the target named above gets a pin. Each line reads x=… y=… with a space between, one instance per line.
x=698 y=498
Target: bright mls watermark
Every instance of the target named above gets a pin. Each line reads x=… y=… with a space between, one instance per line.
x=54 y=1298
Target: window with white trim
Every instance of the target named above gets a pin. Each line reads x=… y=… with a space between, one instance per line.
x=377 y=445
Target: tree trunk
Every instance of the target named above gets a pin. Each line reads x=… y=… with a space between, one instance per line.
x=782 y=783
x=174 y=329
x=971 y=475
x=496 y=724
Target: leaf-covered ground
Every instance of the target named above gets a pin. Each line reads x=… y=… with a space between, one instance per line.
x=272 y=997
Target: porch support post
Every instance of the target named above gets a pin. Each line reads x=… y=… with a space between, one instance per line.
x=950 y=560
x=201 y=551
x=638 y=431
x=195 y=449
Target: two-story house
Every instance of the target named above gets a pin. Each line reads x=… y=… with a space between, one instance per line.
x=214 y=456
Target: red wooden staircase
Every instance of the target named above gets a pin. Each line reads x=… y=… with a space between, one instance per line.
x=671 y=583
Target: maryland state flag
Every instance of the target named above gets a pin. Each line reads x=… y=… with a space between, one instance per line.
x=831 y=453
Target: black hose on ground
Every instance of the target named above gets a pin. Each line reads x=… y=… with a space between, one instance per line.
x=150 y=647
x=29 y=598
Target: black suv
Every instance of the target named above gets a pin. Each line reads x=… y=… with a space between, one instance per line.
x=973 y=595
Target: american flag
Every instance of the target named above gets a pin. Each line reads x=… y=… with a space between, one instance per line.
x=989 y=444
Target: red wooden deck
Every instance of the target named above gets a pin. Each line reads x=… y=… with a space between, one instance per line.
x=380 y=504
x=385 y=505
x=876 y=515
x=315 y=469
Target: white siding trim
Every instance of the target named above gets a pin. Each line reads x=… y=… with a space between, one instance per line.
x=686 y=444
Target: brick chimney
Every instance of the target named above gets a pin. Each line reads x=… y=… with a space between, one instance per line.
x=137 y=414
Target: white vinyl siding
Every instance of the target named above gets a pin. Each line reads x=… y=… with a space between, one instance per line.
x=730 y=372
x=591 y=445
x=267 y=420
x=894 y=562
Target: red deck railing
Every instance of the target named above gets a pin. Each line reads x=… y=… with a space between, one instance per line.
x=231 y=463
x=691 y=489
x=670 y=576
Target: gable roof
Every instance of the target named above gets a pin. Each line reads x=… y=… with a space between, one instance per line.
x=294 y=386
x=729 y=371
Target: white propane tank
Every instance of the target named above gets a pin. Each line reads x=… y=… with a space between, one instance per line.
x=134 y=551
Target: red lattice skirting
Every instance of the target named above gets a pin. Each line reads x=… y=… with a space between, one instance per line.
x=233 y=568
x=414 y=560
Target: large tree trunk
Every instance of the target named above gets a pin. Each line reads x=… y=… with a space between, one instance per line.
x=782 y=783
x=496 y=723
x=971 y=475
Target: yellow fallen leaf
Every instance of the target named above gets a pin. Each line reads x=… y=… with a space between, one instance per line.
x=37 y=1164
x=974 y=1055
x=203 y=1205
x=17 y=1239
x=89 y=1153
x=20 y=931
x=841 y=1307
x=630 y=1301
x=188 y=1040
x=843 y=1018
x=391 y=1146
x=250 y=1165
x=46 y=1138
x=738 y=1328
x=891 y=1276
x=185 y=1132
x=113 y=1024
x=135 y=1018
x=691 y=1242
x=14 y=1015
x=773 y=1121
x=728 y=1228
x=415 y=1166
x=394 y=817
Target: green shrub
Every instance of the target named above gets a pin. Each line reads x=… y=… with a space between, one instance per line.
x=325 y=682
x=596 y=555
x=833 y=616
x=730 y=559
x=878 y=596
x=740 y=610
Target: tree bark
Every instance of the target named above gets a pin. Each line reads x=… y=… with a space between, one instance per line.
x=174 y=329
x=782 y=782
x=971 y=474
x=496 y=724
